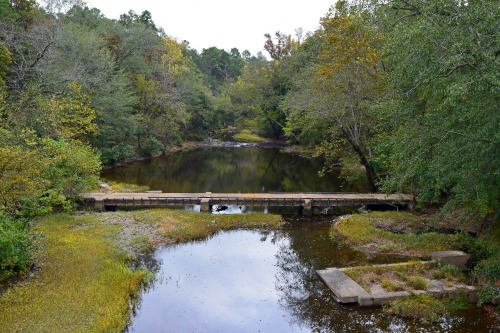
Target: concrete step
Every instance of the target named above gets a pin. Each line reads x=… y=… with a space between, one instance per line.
x=345 y=289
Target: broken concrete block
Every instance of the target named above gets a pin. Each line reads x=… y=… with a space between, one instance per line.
x=345 y=289
x=365 y=300
x=456 y=258
x=386 y=298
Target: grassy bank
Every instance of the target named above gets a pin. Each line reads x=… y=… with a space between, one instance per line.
x=83 y=282
x=248 y=136
x=371 y=232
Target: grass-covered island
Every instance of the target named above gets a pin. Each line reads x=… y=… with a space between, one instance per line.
x=415 y=236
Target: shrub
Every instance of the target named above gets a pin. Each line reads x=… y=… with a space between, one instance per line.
x=488 y=274
x=152 y=147
x=16 y=244
x=478 y=248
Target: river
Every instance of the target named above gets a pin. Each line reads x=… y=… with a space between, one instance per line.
x=255 y=281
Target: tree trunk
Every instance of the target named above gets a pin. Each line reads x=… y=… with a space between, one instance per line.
x=369 y=170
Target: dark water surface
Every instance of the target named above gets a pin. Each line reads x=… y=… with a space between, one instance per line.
x=254 y=281
x=231 y=170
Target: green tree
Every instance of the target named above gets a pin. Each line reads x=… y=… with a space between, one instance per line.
x=443 y=134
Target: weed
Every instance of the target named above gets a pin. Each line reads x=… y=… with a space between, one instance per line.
x=390 y=285
x=421 y=307
x=448 y=272
x=417 y=282
x=181 y=226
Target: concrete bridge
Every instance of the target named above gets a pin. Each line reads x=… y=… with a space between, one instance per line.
x=305 y=201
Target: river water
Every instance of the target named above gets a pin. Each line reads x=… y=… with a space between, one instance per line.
x=251 y=280
x=231 y=170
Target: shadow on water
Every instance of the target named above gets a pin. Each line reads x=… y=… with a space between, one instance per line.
x=265 y=281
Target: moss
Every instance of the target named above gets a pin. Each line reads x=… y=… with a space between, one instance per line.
x=84 y=283
x=360 y=231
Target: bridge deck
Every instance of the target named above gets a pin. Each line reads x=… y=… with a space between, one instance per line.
x=206 y=200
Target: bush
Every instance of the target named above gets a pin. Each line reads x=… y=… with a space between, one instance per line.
x=488 y=274
x=16 y=244
x=71 y=168
x=478 y=248
x=152 y=147
x=116 y=153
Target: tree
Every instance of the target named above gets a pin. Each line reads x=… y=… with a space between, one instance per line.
x=346 y=82
x=443 y=141
x=20 y=177
x=281 y=47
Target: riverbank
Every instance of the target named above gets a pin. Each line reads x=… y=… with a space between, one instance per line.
x=83 y=279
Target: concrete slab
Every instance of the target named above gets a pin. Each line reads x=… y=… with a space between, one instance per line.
x=345 y=289
x=456 y=258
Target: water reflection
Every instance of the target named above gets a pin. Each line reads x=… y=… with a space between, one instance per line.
x=254 y=281
x=233 y=170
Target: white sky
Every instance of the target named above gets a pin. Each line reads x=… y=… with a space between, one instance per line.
x=223 y=23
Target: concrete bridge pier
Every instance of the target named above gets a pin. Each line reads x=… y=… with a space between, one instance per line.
x=205 y=206
x=307 y=207
x=99 y=205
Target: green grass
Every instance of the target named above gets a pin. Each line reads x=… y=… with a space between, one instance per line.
x=421 y=307
x=180 y=226
x=360 y=231
x=247 y=136
x=127 y=188
x=84 y=283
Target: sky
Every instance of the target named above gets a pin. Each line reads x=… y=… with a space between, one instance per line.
x=223 y=23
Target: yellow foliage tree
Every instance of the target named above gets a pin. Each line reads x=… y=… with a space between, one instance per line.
x=70 y=116
x=20 y=176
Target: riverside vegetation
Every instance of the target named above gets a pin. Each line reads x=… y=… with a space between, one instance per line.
x=406 y=91
x=83 y=280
